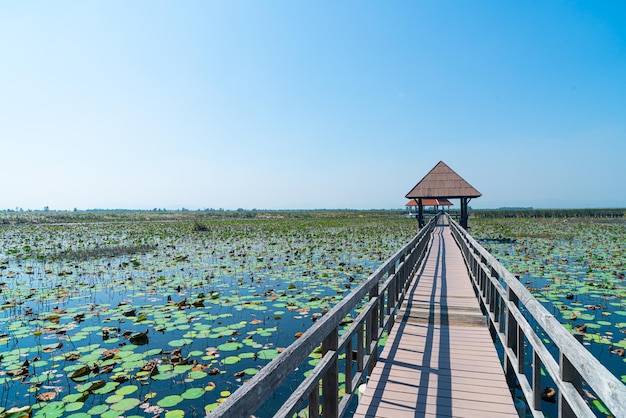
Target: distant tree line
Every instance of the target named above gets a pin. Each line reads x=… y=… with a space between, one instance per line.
x=13 y=217
x=548 y=213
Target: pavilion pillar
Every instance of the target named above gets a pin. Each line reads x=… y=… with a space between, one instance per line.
x=464 y=214
x=420 y=213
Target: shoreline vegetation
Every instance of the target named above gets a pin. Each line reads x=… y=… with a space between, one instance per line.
x=14 y=217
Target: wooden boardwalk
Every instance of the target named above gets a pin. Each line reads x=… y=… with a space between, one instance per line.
x=440 y=360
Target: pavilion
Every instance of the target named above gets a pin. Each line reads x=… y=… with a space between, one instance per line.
x=442 y=183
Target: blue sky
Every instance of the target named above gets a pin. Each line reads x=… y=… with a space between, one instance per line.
x=310 y=104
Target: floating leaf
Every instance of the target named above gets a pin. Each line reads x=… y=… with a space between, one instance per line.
x=73 y=406
x=231 y=360
x=153 y=352
x=197 y=374
x=125 y=404
x=79 y=415
x=232 y=346
x=52 y=410
x=193 y=393
x=268 y=354
x=181 y=342
x=600 y=406
x=46 y=396
x=81 y=371
x=107 y=388
x=21 y=412
x=98 y=409
x=170 y=401
x=126 y=390
x=114 y=399
x=90 y=386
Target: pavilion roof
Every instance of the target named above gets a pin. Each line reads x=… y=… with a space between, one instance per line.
x=431 y=202
x=442 y=182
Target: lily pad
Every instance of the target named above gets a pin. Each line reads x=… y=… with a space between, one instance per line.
x=232 y=346
x=126 y=390
x=125 y=404
x=52 y=410
x=193 y=393
x=170 y=401
x=231 y=360
x=73 y=406
x=181 y=342
x=107 y=388
x=98 y=409
x=268 y=354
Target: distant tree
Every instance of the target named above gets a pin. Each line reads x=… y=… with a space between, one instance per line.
x=46 y=208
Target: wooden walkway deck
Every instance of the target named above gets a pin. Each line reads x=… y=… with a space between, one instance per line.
x=440 y=360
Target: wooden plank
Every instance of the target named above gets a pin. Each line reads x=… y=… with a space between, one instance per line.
x=439 y=359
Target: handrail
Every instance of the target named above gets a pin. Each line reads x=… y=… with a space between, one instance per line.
x=379 y=301
x=501 y=296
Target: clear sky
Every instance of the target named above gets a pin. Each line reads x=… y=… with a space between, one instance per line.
x=310 y=104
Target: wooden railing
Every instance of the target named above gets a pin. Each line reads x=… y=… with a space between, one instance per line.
x=378 y=299
x=520 y=323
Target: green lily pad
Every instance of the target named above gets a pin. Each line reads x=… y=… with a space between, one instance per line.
x=98 y=409
x=211 y=407
x=231 y=360
x=126 y=390
x=268 y=354
x=193 y=393
x=170 y=401
x=232 y=346
x=75 y=397
x=74 y=406
x=79 y=415
x=197 y=374
x=107 y=388
x=153 y=352
x=125 y=404
x=52 y=410
x=90 y=386
x=113 y=399
x=181 y=342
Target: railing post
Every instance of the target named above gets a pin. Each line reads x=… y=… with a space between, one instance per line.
x=371 y=329
x=330 y=381
x=348 y=367
x=511 y=337
x=520 y=349
x=492 y=291
x=359 y=351
x=569 y=374
x=391 y=294
x=537 y=389
x=314 y=402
